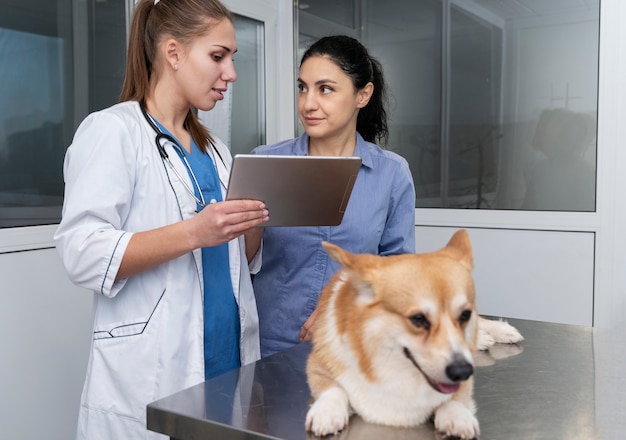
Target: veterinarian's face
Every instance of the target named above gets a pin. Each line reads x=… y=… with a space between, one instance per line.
x=328 y=104
x=206 y=68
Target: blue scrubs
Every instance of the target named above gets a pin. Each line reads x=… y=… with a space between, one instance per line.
x=221 y=312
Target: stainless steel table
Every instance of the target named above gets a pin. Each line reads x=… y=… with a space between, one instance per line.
x=561 y=382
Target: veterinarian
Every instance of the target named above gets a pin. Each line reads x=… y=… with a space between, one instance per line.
x=145 y=228
x=341 y=105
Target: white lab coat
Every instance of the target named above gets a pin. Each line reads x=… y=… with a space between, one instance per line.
x=148 y=329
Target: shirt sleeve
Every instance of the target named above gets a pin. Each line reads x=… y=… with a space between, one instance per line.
x=99 y=172
x=399 y=234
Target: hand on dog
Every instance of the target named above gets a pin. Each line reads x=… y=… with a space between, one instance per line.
x=306 y=332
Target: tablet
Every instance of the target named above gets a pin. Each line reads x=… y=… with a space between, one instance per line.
x=297 y=190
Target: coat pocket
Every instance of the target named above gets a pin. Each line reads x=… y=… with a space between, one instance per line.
x=121 y=330
x=122 y=374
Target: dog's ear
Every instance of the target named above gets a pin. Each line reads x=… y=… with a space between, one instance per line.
x=341 y=256
x=354 y=265
x=347 y=259
x=460 y=249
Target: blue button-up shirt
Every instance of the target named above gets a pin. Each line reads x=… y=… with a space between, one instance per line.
x=379 y=219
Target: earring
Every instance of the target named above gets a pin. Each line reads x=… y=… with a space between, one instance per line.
x=175 y=66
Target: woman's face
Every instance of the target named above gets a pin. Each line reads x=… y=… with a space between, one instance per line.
x=207 y=67
x=328 y=104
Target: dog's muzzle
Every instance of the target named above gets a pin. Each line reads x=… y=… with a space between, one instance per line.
x=457 y=371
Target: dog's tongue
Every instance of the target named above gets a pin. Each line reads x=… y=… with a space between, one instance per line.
x=448 y=388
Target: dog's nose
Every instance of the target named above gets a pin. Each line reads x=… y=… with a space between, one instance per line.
x=459 y=370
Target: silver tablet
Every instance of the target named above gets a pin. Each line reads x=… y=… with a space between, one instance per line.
x=297 y=190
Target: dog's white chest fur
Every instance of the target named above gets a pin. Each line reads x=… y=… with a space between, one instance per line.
x=399 y=397
x=396 y=393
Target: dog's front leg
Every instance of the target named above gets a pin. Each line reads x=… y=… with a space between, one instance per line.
x=329 y=413
x=456 y=417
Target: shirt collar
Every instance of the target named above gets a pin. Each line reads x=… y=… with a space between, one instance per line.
x=362 y=150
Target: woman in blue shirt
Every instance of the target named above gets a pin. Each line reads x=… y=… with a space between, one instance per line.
x=341 y=104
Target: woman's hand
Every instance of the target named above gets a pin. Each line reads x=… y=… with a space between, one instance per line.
x=306 y=332
x=253 y=241
x=221 y=222
x=217 y=223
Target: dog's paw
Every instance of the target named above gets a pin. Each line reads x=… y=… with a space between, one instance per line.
x=329 y=413
x=505 y=333
x=456 y=420
x=485 y=340
x=499 y=330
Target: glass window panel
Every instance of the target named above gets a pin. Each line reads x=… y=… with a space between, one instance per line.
x=248 y=100
x=31 y=132
x=473 y=113
x=42 y=99
x=341 y=12
x=107 y=53
x=552 y=134
x=406 y=37
x=304 y=42
x=493 y=105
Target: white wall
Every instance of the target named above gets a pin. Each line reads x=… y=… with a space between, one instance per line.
x=610 y=268
x=45 y=328
x=538 y=275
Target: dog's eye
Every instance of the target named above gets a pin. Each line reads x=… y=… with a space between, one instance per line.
x=420 y=321
x=465 y=316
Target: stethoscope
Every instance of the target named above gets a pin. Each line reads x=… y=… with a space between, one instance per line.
x=164 y=136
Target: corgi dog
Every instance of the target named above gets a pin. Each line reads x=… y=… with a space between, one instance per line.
x=394 y=341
